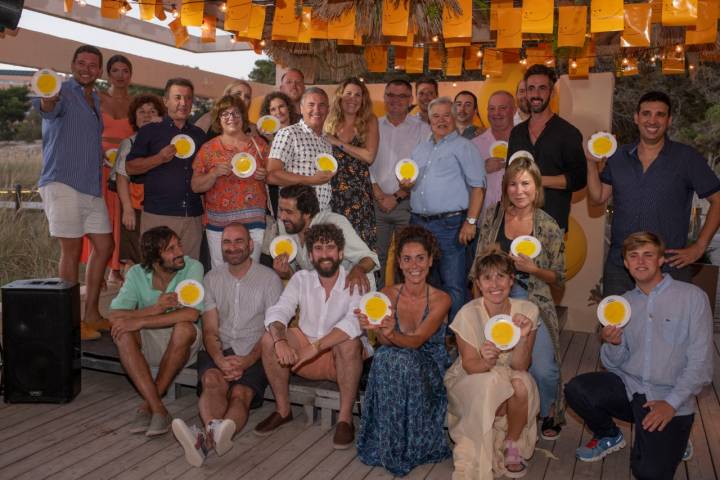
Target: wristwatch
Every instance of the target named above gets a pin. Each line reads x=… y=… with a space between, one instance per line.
x=471 y=220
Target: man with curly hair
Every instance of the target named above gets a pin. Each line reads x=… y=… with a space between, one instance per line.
x=152 y=329
x=325 y=345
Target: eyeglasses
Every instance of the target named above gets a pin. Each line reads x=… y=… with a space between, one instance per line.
x=393 y=96
x=228 y=114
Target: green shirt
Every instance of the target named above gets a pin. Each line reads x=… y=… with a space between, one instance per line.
x=137 y=291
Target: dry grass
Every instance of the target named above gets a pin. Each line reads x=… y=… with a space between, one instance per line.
x=26 y=249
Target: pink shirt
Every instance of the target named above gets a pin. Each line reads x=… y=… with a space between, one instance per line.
x=493 y=181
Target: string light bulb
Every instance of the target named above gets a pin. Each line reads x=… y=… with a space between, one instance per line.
x=263 y=43
x=454 y=84
x=523 y=61
x=123 y=10
x=174 y=11
x=625 y=61
x=479 y=54
x=435 y=38
x=678 y=48
x=223 y=7
x=573 y=64
x=233 y=39
x=691 y=67
x=82 y=3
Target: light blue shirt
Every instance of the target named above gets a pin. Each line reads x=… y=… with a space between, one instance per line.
x=448 y=170
x=666 y=349
x=72 y=141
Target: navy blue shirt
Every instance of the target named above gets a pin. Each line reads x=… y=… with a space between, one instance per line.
x=658 y=200
x=167 y=186
x=557 y=151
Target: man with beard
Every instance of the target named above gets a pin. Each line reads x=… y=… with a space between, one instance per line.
x=169 y=199
x=298 y=211
x=500 y=111
x=70 y=179
x=325 y=344
x=295 y=148
x=652 y=182
x=465 y=113
x=152 y=329
x=237 y=294
x=292 y=84
x=555 y=144
x=656 y=365
x=522 y=112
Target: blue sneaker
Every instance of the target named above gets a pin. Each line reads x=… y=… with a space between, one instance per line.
x=688 y=453
x=597 y=448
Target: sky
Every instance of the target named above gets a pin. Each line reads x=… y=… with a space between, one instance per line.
x=233 y=64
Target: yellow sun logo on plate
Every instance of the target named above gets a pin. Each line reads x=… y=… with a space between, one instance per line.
x=183 y=146
x=614 y=313
x=502 y=333
x=499 y=151
x=526 y=247
x=189 y=294
x=46 y=83
x=243 y=164
x=407 y=170
x=283 y=246
x=375 y=308
x=602 y=145
x=268 y=125
x=326 y=164
x=111 y=156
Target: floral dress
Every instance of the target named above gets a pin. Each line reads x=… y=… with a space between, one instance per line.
x=352 y=194
x=405 y=405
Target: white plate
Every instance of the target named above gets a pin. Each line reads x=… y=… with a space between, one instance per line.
x=614 y=310
x=185 y=146
x=501 y=331
x=190 y=292
x=268 y=124
x=520 y=153
x=376 y=306
x=243 y=165
x=283 y=244
x=326 y=163
x=407 y=169
x=46 y=83
x=499 y=149
x=110 y=157
x=602 y=145
x=527 y=245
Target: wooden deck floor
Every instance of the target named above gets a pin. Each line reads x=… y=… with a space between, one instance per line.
x=87 y=439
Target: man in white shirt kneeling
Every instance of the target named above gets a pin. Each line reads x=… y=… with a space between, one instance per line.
x=326 y=343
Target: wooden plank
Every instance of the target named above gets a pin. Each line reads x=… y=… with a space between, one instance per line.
x=354 y=470
x=313 y=457
x=332 y=464
x=700 y=465
x=441 y=471
x=379 y=473
x=709 y=414
x=419 y=472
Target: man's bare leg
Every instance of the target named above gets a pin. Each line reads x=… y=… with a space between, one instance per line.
x=348 y=364
x=69 y=265
x=176 y=355
x=277 y=375
x=241 y=397
x=213 y=401
x=137 y=368
x=102 y=247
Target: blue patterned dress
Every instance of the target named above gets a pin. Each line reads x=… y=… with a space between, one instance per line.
x=405 y=405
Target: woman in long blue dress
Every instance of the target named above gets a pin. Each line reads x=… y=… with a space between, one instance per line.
x=405 y=401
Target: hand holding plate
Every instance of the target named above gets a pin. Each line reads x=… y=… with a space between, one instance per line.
x=221 y=170
x=321 y=177
x=523 y=323
x=523 y=263
x=494 y=164
x=489 y=352
x=407 y=185
x=260 y=174
x=281 y=265
x=611 y=334
x=167 y=153
x=166 y=301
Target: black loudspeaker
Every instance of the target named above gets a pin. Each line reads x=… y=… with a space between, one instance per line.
x=10 y=12
x=41 y=339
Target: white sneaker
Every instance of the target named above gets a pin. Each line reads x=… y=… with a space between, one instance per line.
x=221 y=433
x=192 y=439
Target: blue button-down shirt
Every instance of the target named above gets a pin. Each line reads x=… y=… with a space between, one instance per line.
x=666 y=350
x=448 y=170
x=167 y=186
x=72 y=140
x=657 y=200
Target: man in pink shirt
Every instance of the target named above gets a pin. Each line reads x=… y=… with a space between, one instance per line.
x=501 y=109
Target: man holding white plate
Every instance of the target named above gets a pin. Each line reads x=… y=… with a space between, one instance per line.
x=162 y=156
x=656 y=364
x=155 y=326
x=652 y=182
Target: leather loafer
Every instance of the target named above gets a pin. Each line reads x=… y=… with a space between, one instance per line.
x=271 y=423
x=344 y=435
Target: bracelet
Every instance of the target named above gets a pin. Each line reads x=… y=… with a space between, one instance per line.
x=279 y=340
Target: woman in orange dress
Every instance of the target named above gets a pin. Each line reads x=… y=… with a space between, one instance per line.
x=114 y=105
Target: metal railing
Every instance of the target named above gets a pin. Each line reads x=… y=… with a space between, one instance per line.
x=19 y=197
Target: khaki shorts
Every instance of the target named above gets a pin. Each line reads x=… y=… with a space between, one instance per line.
x=156 y=340
x=72 y=214
x=188 y=229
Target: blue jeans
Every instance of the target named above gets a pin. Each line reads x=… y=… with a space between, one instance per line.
x=448 y=272
x=544 y=369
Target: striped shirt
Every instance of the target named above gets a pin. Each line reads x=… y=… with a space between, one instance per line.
x=72 y=141
x=241 y=304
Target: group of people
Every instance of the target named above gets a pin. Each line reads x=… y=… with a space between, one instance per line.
x=262 y=319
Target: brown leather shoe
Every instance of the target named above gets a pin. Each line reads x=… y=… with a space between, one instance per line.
x=271 y=423
x=344 y=435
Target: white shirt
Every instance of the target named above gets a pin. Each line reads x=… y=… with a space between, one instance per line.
x=317 y=315
x=396 y=143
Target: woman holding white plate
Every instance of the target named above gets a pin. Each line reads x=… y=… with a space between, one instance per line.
x=352 y=129
x=405 y=400
x=492 y=399
x=519 y=214
x=230 y=171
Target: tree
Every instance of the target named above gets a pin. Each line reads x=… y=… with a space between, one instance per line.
x=14 y=105
x=264 y=72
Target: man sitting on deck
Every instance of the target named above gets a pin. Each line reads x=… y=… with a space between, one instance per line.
x=325 y=345
x=151 y=328
x=656 y=364
x=237 y=293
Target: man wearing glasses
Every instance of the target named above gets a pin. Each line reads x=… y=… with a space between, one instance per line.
x=400 y=133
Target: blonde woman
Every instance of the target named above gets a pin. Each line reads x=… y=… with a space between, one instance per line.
x=352 y=129
x=492 y=399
